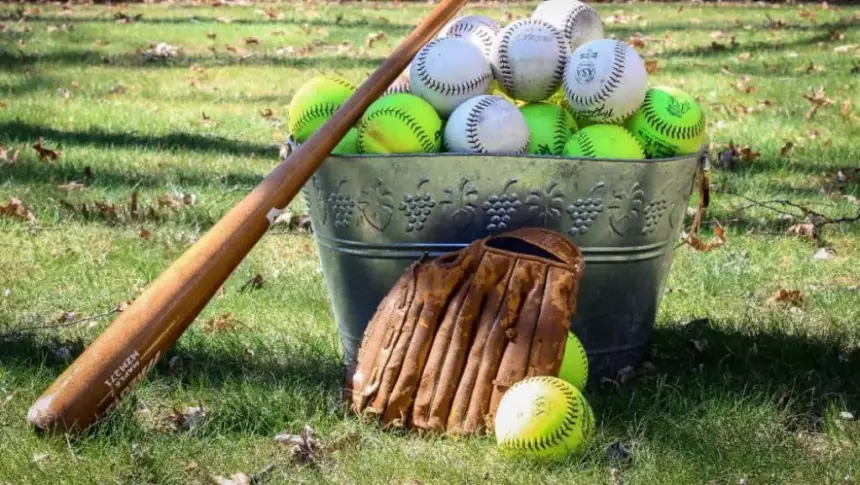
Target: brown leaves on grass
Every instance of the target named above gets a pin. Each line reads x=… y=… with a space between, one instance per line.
x=5 y=158
x=303 y=447
x=651 y=66
x=731 y=156
x=177 y=201
x=696 y=243
x=809 y=68
x=17 y=210
x=793 y=298
x=45 y=153
x=818 y=98
x=123 y=18
x=744 y=85
x=846 y=111
x=783 y=151
x=189 y=418
x=251 y=40
x=636 y=41
x=222 y=323
x=805 y=230
x=271 y=13
x=745 y=56
x=373 y=38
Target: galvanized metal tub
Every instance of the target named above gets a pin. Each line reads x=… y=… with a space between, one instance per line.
x=373 y=215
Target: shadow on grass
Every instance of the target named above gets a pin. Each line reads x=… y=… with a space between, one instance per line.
x=802 y=375
x=12 y=61
x=21 y=132
x=333 y=21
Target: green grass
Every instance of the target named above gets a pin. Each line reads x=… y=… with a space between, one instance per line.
x=761 y=403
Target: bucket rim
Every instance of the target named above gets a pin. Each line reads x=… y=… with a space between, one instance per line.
x=478 y=156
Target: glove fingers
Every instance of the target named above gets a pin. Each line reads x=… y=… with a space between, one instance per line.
x=450 y=347
x=438 y=283
x=551 y=333
x=380 y=334
x=433 y=366
x=485 y=354
x=514 y=361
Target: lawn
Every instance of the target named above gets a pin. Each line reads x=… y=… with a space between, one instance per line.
x=741 y=388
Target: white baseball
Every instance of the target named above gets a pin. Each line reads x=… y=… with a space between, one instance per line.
x=528 y=59
x=605 y=81
x=487 y=124
x=448 y=71
x=477 y=29
x=401 y=84
x=578 y=21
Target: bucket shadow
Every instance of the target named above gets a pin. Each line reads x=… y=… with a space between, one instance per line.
x=799 y=374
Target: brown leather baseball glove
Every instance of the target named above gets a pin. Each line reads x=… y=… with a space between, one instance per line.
x=454 y=333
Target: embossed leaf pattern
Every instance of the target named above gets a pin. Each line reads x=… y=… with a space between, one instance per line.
x=547 y=204
x=377 y=205
x=462 y=199
x=627 y=208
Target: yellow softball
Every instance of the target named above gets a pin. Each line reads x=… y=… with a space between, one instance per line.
x=314 y=103
x=400 y=123
x=668 y=123
x=543 y=417
x=574 y=364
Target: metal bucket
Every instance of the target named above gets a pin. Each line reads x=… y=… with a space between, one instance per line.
x=373 y=215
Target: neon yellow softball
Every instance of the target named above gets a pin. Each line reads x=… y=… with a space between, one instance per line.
x=543 y=417
x=400 y=123
x=604 y=141
x=574 y=364
x=669 y=123
x=314 y=103
x=550 y=126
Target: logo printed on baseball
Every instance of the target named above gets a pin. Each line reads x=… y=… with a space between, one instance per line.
x=585 y=72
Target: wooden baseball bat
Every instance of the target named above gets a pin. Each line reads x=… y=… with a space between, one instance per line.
x=127 y=350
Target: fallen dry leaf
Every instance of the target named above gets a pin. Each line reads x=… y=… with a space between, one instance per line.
x=123 y=305
x=748 y=154
x=251 y=41
x=5 y=158
x=191 y=466
x=811 y=67
x=62 y=91
x=224 y=20
x=818 y=98
x=842 y=49
x=651 y=66
x=212 y=35
x=697 y=244
x=372 y=38
x=745 y=56
x=303 y=446
x=805 y=230
x=222 y=323
x=787 y=297
x=846 y=110
x=161 y=50
x=744 y=85
x=71 y=186
x=45 y=153
x=636 y=41
x=145 y=235
x=17 y=210
x=254 y=283
x=786 y=148
x=122 y=18
x=267 y=113
x=190 y=418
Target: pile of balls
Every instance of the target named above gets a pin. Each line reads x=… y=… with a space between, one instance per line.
x=551 y=84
